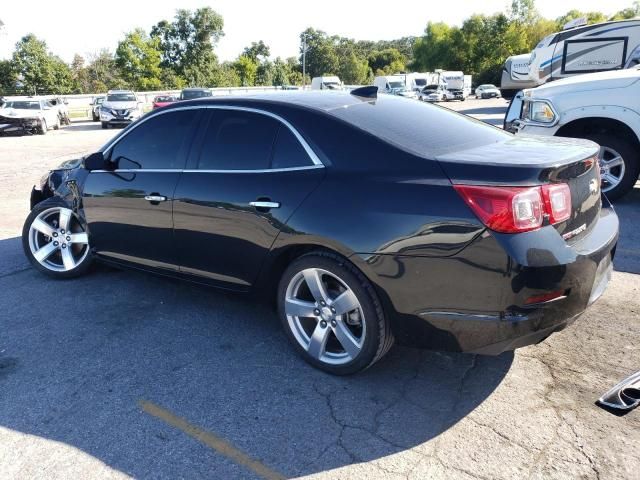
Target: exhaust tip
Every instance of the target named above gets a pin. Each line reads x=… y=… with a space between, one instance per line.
x=624 y=396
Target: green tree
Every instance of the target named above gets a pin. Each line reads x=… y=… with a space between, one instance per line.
x=8 y=77
x=246 y=69
x=434 y=49
x=354 y=70
x=591 y=17
x=103 y=73
x=387 y=61
x=257 y=51
x=627 y=13
x=40 y=71
x=187 y=43
x=321 y=57
x=138 y=60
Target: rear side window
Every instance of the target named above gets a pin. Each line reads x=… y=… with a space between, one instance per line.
x=159 y=143
x=237 y=140
x=288 y=152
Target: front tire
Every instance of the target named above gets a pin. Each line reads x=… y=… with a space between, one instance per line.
x=105 y=125
x=43 y=127
x=332 y=315
x=56 y=241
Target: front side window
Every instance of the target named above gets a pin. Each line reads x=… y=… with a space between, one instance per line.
x=237 y=140
x=161 y=142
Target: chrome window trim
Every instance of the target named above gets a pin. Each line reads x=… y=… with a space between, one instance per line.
x=312 y=155
x=190 y=170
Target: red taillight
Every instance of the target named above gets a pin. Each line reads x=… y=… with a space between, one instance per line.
x=517 y=209
x=557 y=202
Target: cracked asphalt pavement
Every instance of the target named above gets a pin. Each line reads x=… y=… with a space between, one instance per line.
x=80 y=359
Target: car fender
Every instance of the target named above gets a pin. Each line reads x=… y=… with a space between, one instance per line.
x=625 y=115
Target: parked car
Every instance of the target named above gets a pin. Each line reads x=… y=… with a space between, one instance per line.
x=603 y=107
x=163 y=101
x=455 y=235
x=61 y=106
x=435 y=93
x=488 y=91
x=120 y=108
x=28 y=115
x=193 y=93
x=95 y=107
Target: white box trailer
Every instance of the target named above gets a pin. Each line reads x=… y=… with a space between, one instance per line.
x=581 y=48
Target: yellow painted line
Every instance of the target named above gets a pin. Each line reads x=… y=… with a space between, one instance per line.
x=211 y=440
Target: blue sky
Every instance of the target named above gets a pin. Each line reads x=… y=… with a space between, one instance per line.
x=85 y=26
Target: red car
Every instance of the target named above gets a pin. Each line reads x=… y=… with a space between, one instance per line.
x=163 y=101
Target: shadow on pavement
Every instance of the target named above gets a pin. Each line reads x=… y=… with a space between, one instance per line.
x=627 y=257
x=81 y=354
x=83 y=126
x=485 y=111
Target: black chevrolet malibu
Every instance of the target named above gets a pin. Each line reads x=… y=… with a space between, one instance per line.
x=365 y=219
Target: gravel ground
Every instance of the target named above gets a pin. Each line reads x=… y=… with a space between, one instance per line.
x=120 y=374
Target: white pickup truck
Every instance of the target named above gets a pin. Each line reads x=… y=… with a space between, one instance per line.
x=603 y=107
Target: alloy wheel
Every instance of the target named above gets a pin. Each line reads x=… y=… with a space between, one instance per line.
x=57 y=239
x=611 y=168
x=325 y=316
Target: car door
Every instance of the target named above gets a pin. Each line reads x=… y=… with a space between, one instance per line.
x=129 y=206
x=50 y=113
x=250 y=174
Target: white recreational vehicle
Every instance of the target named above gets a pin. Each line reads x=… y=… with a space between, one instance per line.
x=515 y=75
x=581 y=48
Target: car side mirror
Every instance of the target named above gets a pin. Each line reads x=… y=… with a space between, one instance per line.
x=95 y=161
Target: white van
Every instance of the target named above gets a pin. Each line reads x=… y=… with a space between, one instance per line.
x=394 y=85
x=326 y=83
x=581 y=48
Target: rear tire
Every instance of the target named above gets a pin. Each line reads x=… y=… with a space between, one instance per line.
x=105 y=125
x=43 y=127
x=340 y=328
x=626 y=174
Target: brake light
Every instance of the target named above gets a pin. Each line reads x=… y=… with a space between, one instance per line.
x=557 y=200
x=517 y=209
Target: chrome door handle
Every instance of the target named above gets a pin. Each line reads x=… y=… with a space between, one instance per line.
x=155 y=198
x=265 y=204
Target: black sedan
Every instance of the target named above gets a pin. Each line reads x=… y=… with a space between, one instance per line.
x=366 y=220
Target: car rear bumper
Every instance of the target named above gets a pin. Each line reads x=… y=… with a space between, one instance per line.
x=475 y=301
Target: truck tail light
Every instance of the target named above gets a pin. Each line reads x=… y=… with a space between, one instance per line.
x=517 y=209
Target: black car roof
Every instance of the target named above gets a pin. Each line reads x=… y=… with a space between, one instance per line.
x=322 y=101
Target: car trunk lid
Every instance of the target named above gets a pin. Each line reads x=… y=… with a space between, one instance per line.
x=531 y=161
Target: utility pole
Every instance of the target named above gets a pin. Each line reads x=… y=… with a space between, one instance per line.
x=304 y=61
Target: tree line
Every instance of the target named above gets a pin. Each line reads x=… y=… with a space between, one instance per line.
x=180 y=52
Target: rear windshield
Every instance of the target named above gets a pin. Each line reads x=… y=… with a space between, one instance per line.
x=420 y=128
